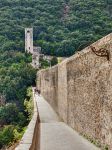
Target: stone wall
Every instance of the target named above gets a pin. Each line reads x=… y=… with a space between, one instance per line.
x=80 y=91
x=49 y=78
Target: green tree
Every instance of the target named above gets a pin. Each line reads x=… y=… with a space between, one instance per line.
x=54 y=61
x=9 y=114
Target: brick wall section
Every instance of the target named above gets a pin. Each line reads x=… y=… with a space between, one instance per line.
x=80 y=90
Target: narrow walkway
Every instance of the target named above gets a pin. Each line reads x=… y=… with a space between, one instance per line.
x=46 y=113
x=56 y=135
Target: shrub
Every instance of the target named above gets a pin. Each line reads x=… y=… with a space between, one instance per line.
x=9 y=134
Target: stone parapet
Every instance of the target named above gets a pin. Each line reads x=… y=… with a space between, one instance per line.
x=30 y=139
x=80 y=90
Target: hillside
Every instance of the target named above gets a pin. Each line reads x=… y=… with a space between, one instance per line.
x=61 y=27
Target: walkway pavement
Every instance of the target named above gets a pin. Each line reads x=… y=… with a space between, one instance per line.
x=47 y=114
x=56 y=135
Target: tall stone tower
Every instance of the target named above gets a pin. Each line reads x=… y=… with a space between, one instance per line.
x=29 y=40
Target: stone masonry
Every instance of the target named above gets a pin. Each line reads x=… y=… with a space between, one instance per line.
x=80 y=91
x=29 y=40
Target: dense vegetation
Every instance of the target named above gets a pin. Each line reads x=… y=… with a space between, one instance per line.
x=16 y=75
x=61 y=27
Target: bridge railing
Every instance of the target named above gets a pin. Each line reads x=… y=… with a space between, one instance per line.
x=30 y=139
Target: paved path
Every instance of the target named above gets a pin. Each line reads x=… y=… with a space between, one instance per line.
x=56 y=135
x=47 y=115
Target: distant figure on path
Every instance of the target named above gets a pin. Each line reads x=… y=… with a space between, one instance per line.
x=37 y=91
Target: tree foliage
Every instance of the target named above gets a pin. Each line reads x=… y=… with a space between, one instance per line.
x=28 y=103
x=61 y=27
x=16 y=75
x=54 y=61
x=8 y=135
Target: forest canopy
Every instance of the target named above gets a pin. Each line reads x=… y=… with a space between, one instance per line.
x=61 y=27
